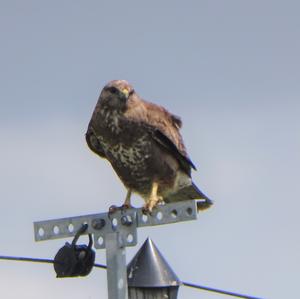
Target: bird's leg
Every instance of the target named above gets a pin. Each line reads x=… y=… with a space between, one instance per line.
x=127 y=202
x=153 y=199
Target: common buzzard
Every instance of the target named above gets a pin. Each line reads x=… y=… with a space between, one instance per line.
x=142 y=142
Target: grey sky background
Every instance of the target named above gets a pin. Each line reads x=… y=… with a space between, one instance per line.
x=230 y=69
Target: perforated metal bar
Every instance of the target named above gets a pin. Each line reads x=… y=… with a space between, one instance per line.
x=168 y=213
x=123 y=221
x=115 y=231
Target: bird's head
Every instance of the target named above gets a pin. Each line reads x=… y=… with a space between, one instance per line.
x=115 y=94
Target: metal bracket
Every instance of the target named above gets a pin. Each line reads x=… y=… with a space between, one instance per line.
x=125 y=222
x=115 y=231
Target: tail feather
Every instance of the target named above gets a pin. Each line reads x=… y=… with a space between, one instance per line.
x=190 y=192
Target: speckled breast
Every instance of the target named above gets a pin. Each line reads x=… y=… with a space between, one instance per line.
x=135 y=156
x=129 y=149
x=132 y=163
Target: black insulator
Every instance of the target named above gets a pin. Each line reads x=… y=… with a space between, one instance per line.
x=74 y=260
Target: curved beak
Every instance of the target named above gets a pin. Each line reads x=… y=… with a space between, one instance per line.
x=125 y=92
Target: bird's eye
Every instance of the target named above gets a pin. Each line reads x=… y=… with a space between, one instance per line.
x=131 y=92
x=113 y=90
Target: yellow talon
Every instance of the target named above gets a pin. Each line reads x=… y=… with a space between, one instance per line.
x=153 y=199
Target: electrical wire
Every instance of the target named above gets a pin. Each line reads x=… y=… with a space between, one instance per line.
x=26 y=259
x=209 y=289
x=38 y=260
x=96 y=265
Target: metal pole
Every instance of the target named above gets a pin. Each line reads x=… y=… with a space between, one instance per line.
x=116 y=267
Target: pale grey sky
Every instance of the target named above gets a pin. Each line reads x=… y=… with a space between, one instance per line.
x=230 y=69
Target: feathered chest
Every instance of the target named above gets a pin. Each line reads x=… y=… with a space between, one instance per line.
x=125 y=143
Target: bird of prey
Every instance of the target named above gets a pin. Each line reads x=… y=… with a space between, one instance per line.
x=142 y=142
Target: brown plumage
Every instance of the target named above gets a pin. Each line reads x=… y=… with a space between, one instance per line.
x=142 y=142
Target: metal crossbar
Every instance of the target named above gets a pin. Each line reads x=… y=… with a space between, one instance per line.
x=114 y=232
x=125 y=222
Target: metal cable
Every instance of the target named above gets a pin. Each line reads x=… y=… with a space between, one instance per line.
x=38 y=260
x=26 y=259
x=187 y=284
x=192 y=285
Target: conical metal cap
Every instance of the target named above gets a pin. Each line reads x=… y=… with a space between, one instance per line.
x=149 y=269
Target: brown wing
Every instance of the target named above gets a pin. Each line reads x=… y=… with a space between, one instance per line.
x=93 y=142
x=164 y=128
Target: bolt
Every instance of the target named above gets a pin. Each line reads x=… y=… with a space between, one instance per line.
x=126 y=220
x=98 y=223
